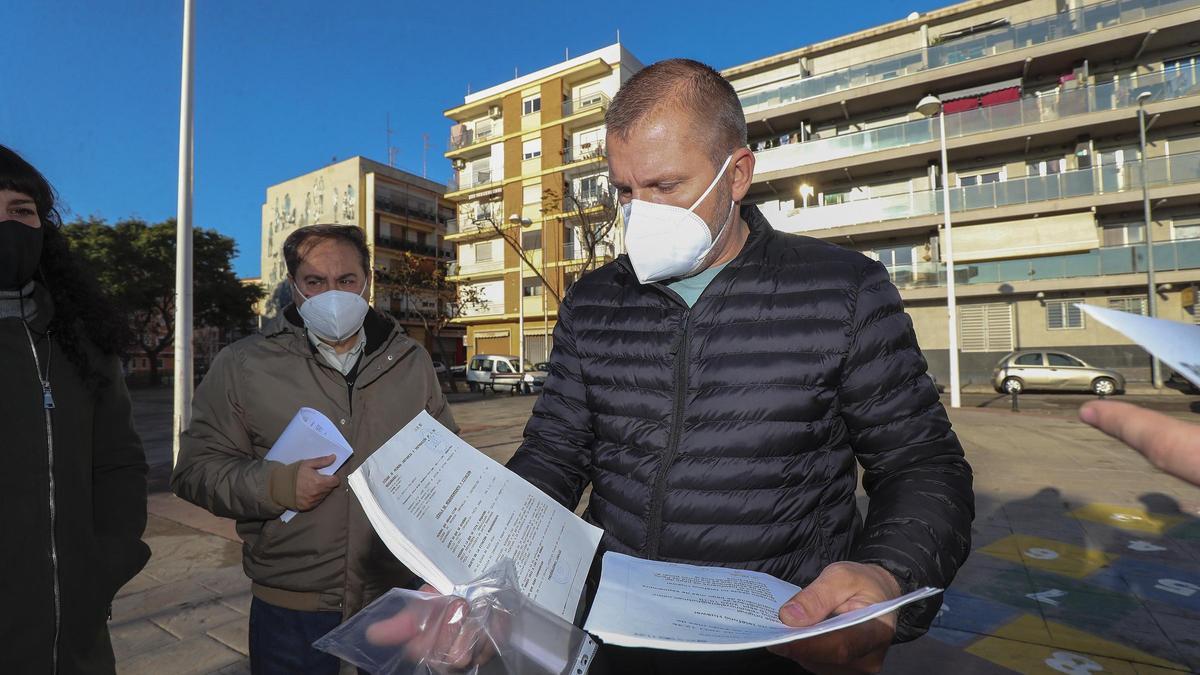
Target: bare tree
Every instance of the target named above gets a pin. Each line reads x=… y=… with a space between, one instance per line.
x=511 y=232
x=594 y=214
x=415 y=277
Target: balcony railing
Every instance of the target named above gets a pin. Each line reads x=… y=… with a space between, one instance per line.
x=1037 y=31
x=484 y=309
x=469 y=180
x=581 y=104
x=1111 y=95
x=480 y=267
x=411 y=247
x=1168 y=256
x=1169 y=170
x=582 y=153
x=403 y=210
x=577 y=251
x=470 y=137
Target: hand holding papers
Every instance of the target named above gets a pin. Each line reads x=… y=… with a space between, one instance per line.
x=643 y=603
x=308 y=436
x=450 y=513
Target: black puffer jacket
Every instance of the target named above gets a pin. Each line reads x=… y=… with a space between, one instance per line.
x=727 y=434
x=74 y=501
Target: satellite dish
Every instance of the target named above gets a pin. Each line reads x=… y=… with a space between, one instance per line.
x=914 y=15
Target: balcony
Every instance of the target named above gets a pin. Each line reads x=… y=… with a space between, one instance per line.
x=485 y=309
x=576 y=251
x=404 y=211
x=476 y=180
x=592 y=102
x=1169 y=256
x=470 y=137
x=411 y=247
x=1121 y=94
x=1016 y=36
x=583 y=153
x=480 y=267
x=1160 y=171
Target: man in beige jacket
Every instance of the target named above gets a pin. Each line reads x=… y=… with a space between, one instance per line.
x=331 y=352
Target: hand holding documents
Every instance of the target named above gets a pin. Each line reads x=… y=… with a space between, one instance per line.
x=309 y=435
x=644 y=603
x=449 y=513
x=1174 y=343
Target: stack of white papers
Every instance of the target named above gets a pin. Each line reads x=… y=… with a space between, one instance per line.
x=645 y=603
x=310 y=435
x=449 y=513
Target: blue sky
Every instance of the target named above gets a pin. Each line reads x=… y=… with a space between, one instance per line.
x=90 y=90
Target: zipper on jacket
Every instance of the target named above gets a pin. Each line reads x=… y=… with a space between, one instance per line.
x=654 y=529
x=47 y=406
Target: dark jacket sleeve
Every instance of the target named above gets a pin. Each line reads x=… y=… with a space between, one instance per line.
x=557 y=451
x=118 y=483
x=921 y=501
x=217 y=468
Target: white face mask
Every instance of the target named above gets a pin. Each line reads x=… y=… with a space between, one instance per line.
x=666 y=242
x=334 y=316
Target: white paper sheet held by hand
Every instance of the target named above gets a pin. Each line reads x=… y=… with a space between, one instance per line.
x=449 y=513
x=1175 y=344
x=645 y=603
x=309 y=435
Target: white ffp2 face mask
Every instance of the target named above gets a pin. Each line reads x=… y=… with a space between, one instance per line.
x=335 y=315
x=666 y=242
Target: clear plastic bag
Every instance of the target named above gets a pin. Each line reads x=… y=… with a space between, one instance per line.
x=485 y=627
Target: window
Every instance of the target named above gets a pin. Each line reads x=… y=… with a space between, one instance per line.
x=531 y=288
x=983 y=178
x=531 y=104
x=1062 y=361
x=531 y=240
x=1122 y=234
x=1046 y=167
x=985 y=327
x=589 y=188
x=1186 y=227
x=531 y=149
x=1134 y=304
x=483 y=251
x=839 y=197
x=1034 y=359
x=1063 y=315
x=503 y=367
x=569 y=278
x=532 y=194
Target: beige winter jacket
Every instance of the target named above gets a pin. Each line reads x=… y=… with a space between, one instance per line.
x=329 y=558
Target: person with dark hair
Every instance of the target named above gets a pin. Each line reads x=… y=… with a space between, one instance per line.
x=717 y=386
x=330 y=351
x=74 y=478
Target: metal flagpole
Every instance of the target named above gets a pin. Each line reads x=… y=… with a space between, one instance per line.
x=183 y=245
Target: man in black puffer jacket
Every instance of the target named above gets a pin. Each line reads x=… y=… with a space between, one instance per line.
x=716 y=387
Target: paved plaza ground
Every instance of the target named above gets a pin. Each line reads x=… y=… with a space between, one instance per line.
x=1086 y=560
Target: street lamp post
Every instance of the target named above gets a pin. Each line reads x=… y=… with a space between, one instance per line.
x=1147 y=233
x=518 y=221
x=930 y=106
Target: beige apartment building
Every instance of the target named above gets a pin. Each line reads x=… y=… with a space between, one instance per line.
x=401 y=214
x=530 y=184
x=1041 y=100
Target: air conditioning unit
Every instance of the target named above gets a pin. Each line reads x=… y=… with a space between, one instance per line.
x=494 y=112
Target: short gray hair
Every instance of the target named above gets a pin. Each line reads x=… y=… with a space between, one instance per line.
x=696 y=88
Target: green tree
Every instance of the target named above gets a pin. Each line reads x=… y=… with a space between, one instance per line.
x=134 y=262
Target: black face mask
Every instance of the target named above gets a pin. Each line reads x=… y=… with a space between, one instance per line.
x=20 y=253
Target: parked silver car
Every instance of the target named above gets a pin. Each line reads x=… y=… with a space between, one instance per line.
x=1037 y=369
